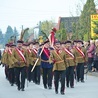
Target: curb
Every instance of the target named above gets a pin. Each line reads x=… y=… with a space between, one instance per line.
x=93 y=74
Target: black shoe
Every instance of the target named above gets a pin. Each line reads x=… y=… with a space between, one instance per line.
x=35 y=82
x=50 y=87
x=62 y=93
x=45 y=86
x=56 y=92
x=29 y=80
x=22 y=89
x=72 y=86
x=67 y=86
x=82 y=81
x=12 y=84
x=18 y=88
x=77 y=80
x=38 y=83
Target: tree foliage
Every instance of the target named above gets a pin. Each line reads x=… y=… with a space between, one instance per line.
x=1 y=38
x=8 y=34
x=84 y=21
x=96 y=27
x=61 y=33
x=46 y=26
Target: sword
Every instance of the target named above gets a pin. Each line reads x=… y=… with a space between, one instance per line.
x=37 y=59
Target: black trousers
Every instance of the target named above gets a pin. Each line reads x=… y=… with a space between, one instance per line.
x=47 y=76
x=59 y=75
x=36 y=74
x=30 y=74
x=96 y=64
x=20 y=73
x=11 y=75
x=70 y=76
x=7 y=72
x=80 y=71
x=90 y=61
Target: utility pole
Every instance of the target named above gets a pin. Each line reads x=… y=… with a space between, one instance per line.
x=22 y=27
x=40 y=28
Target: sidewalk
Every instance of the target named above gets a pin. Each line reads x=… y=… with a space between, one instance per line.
x=93 y=74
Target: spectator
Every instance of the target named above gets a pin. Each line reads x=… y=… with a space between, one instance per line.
x=87 y=44
x=96 y=57
x=90 y=53
x=0 y=54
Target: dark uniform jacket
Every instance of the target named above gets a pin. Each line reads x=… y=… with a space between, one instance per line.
x=45 y=58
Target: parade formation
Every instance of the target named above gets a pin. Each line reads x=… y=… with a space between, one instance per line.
x=52 y=60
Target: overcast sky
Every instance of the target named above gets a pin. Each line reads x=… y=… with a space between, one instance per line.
x=30 y=12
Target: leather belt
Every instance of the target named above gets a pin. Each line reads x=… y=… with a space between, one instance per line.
x=59 y=61
x=44 y=60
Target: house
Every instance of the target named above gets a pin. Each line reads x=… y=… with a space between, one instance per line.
x=68 y=24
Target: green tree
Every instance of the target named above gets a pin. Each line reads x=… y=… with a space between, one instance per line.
x=8 y=34
x=1 y=37
x=61 y=33
x=75 y=31
x=46 y=26
x=84 y=21
x=15 y=35
x=96 y=27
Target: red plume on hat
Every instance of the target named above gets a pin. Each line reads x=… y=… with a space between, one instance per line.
x=54 y=29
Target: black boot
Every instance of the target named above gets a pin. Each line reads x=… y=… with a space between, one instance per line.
x=18 y=88
x=56 y=91
x=22 y=89
x=45 y=86
x=62 y=93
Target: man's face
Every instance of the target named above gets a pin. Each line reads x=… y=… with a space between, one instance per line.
x=68 y=44
x=12 y=47
x=79 y=44
x=47 y=45
x=63 y=45
x=96 y=43
x=75 y=43
x=58 y=45
x=37 y=46
x=6 y=48
x=31 y=46
x=91 y=42
x=24 y=47
x=19 y=45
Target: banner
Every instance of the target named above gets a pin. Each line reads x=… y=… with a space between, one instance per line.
x=94 y=18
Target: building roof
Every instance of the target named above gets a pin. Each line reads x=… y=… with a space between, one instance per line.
x=67 y=22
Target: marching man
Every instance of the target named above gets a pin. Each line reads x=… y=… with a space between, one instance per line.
x=58 y=58
x=20 y=65
x=81 y=58
x=70 y=56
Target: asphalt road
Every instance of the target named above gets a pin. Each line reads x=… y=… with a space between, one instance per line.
x=89 y=89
